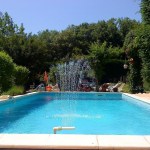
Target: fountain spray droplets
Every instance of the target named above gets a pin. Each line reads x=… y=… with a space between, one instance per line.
x=69 y=74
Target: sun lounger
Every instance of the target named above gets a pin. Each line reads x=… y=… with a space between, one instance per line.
x=115 y=87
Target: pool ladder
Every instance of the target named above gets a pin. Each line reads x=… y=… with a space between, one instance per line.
x=55 y=129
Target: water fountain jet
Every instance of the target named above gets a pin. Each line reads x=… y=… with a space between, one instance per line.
x=70 y=74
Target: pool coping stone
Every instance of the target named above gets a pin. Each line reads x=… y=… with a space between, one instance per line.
x=67 y=141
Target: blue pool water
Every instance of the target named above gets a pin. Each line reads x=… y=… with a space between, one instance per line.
x=89 y=113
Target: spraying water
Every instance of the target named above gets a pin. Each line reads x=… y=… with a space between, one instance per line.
x=69 y=74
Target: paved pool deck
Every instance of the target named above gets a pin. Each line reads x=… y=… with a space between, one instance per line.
x=78 y=142
x=145 y=97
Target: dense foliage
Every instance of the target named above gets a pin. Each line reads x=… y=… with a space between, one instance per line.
x=41 y=51
x=145 y=11
x=134 y=62
x=143 y=46
x=10 y=73
x=6 y=71
x=107 y=44
x=137 y=48
x=21 y=75
x=105 y=60
x=14 y=90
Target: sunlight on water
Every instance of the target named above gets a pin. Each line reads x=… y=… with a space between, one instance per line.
x=75 y=116
x=89 y=113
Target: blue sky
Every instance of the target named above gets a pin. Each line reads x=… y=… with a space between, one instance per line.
x=38 y=15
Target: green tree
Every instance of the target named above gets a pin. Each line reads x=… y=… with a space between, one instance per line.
x=21 y=75
x=132 y=53
x=142 y=45
x=107 y=62
x=145 y=11
x=6 y=72
x=7 y=26
x=113 y=66
x=39 y=52
x=125 y=25
x=97 y=57
x=12 y=38
x=49 y=38
x=114 y=37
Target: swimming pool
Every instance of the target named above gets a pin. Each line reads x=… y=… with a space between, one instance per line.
x=89 y=113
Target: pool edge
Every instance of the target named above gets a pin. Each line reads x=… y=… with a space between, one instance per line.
x=52 y=141
x=137 y=98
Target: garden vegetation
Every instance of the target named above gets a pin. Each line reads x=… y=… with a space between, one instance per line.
x=108 y=45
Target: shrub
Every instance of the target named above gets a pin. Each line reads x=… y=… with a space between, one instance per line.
x=146 y=86
x=21 y=75
x=126 y=88
x=132 y=52
x=143 y=46
x=6 y=71
x=15 y=90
